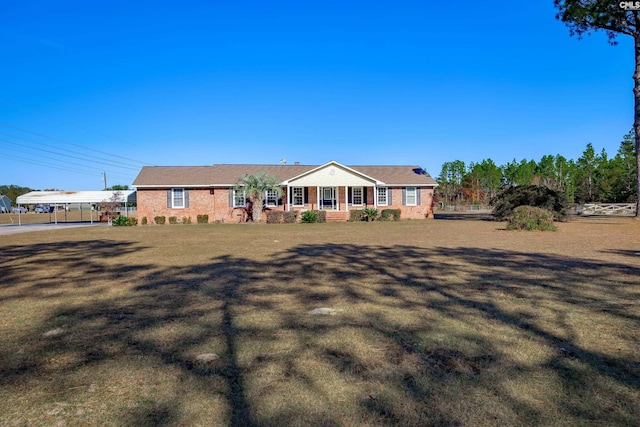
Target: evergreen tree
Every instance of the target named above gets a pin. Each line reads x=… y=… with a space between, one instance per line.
x=614 y=18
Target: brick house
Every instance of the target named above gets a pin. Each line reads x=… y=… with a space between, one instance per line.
x=188 y=191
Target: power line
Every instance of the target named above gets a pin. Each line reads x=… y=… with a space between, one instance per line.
x=56 y=147
x=66 y=169
x=71 y=143
x=68 y=155
x=50 y=158
x=14 y=105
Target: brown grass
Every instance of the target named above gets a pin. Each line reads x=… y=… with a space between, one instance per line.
x=445 y=322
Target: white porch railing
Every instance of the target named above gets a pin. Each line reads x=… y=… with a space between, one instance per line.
x=608 y=209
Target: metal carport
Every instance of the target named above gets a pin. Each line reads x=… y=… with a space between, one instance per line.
x=57 y=198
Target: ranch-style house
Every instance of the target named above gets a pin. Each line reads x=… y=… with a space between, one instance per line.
x=188 y=191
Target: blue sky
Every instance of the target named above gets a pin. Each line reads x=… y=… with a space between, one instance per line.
x=108 y=86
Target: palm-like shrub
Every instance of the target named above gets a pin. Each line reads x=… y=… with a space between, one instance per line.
x=254 y=186
x=369 y=214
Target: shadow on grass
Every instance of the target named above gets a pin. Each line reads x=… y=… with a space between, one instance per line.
x=459 y=216
x=423 y=336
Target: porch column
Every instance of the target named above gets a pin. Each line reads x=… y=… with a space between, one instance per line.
x=288 y=198
x=346 y=194
x=375 y=196
x=318 y=196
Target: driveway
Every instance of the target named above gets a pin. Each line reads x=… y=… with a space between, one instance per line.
x=6 y=229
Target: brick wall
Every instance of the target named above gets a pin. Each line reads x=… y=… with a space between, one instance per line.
x=215 y=203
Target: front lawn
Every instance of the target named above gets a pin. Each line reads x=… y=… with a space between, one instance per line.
x=445 y=322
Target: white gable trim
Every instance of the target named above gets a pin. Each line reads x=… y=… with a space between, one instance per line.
x=305 y=179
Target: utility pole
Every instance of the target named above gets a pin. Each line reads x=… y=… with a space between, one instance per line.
x=104 y=179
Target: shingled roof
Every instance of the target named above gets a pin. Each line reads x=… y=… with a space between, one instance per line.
x=229 y=174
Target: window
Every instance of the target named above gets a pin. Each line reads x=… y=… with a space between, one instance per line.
x=356 y=196
x=382 y=197
x=410 y=199
x=177 y=198
x=271 y=198
x=239 y=199
x=298 y=196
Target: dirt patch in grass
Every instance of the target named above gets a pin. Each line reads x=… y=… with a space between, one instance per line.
x=435 y=323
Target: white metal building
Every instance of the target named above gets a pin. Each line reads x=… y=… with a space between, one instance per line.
x=66 y=198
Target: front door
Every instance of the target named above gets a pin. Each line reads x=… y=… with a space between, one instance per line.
x=328 y=199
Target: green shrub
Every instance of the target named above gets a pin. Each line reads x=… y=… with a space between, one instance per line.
x=123 y=221
x=390 y=215
x=144 y=220
x=186 y=220
x=356 y=215
x=369 y=214
x=529 y=195
x=173 y=220
x=531 y=218
x=202 y=219
x=309 y=217
x=159 y=220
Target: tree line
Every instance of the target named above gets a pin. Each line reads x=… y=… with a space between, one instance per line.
x=594 y=177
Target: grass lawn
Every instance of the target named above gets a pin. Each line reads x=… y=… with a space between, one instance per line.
x=445 y=322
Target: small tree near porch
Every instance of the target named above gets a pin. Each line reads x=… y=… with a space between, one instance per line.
x=254 y=187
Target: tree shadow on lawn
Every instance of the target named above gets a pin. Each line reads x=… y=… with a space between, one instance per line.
x=421 y=336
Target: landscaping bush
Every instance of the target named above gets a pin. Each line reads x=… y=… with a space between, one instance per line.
x=275 y=217
x=123 y=221
x=529 y=195
x=159 y=220
x=390 y=215
x=369 y=214
x=356 y=215
x=173 y=220
x=322 y=216
x=531 y=218
x=280 y=217
x=309 y=217
x=202 y=219
x=186 y=220
x=144 y=220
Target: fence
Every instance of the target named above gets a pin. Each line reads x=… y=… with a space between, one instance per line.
x=608 y=209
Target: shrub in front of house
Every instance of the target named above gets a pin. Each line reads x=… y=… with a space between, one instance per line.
x=123 y=221
x=202 y=219
x=356 y=215
x=309 y=217
x=173 y=220
x=322 y=216
x=144 y=220
x=390 y=215
x=159 y=220
x=280 y=217
x=275 y=217
x=369 y=214
x=531 y=218
x=186 y=220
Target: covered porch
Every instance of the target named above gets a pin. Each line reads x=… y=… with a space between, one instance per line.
x=333 y=188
